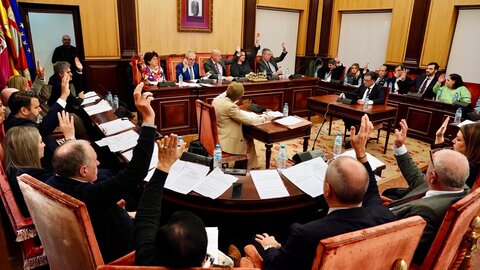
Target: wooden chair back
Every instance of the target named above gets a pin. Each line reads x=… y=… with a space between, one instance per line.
x=208 y=129
x=372 y=248
x=136 y=74
x=63 y=225
x=386 y=93
x=257 y=58
x=172 y=61
x=450 y=242
x=227 y=67
x=201 y=58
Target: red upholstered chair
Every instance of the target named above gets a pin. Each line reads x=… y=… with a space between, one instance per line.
x=386 y=246
x=137 y=75
x=456 y=237
x=202 y=57
x=227 y=67
x=63 y=225
x=23 y=227
x=258 y=57
x=476 y=184
x=474 y=89
x=172 y=61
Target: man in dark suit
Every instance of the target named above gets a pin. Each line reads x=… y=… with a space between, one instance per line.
x=333 y=70
x=424 y=83
x=75 y=165
x=269 y=64
x=188 y=68
x=351 y=191
x=215 y=65
x=430 y=195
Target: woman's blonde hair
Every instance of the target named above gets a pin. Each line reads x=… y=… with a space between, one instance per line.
x=21 y=148
x=16 y=82
x=235 y=91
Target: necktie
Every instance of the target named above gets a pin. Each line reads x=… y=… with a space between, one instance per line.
x=424 y=85
x=192 y=75
x=268 y=66
x=368 y=92
x=216 y=68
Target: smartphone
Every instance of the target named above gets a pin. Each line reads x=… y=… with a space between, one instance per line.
x=236 y=190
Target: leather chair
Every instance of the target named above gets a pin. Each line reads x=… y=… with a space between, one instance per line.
x=126 y=263
x=456 y=237
x=63 y=225
x=387 y=246
x=202 y=57
x=23 y=227
x=172 y=61
x=137 y=75
x=256 y=59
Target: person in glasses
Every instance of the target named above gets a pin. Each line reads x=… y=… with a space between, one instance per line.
x=188 y=68
x=429 y=195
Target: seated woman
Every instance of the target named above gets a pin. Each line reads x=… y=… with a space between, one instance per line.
x=354 y=76
x=229 y=123
x=466 y=142
x=242 y=67
x=23 y=150
x=152 y=73
x=453 y=90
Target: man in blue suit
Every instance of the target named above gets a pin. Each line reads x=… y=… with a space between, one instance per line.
x=188 y=68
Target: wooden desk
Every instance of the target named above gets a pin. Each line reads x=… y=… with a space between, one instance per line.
x=376 y=113
x=272 y=132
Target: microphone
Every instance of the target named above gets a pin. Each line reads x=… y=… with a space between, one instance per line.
x=320 y=129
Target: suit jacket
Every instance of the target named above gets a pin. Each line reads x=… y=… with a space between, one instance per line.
x=429 y=90
x=403 y=86
x=112 y=225
x=186 y=74
x=229 y=124
x=301 y=246
x=336 y=72
x=376 y=94
x=432 y=209
x=56 y=82
x=209 y=66
x=262 y=65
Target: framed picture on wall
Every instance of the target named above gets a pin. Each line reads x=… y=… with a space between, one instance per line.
x=195 y=16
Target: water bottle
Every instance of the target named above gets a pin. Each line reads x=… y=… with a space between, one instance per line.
x=337 y=145
x=287 y=74
x=456 y=97
x=180 y=141
x=439 y=93
x=217 y=157
x=115 y=102
x=180 y=80
x=265 y=73
x=285 y=110
x=458 y=116
x=109 y=98
x=365 y=104
x=477 y=107
x=220 y=77
x=282 y=158
x=386 y=84
x=360 y=81
x=391 y=87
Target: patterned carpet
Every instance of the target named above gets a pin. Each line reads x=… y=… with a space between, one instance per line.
x=418 y=149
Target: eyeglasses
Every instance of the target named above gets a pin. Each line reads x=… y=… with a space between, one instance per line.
x=191 y=59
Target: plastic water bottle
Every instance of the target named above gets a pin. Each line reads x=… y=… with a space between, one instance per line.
x=217 y=157
x=458 y=116
x=439 y=93
x=220 y=77
x=456 y=97
x=477 y=107
x=285 y=110
x=391 y=87
x=115 y=102
x=337 y=145
x=180 y=80
x=282 y=158
x=287 y=74
x=180 y=141
x=109 y=98
x=365 y=104
x=265 y=73
x=386 y=84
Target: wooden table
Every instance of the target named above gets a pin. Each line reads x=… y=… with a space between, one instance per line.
x=376 y=113
x=273 y=132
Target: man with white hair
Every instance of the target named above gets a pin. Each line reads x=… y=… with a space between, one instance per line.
x=188 y=68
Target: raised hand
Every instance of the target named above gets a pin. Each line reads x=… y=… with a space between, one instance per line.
x=65 y=87
x=81 y=95
x=439 y=136
x=65 y=122
x=257 y=39
x=78 y=65
x=359 y=141
x=237 y=49
x=284 y=47
x=441 y=78
x=40 y=71
x=401 y=135
x=167 y=152
x=142 y=102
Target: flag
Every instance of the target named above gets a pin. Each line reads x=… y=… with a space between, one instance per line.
x=15 y=38
x=5 y=69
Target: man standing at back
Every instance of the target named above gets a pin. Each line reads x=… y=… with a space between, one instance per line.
x=269 y=64
x=351 y=192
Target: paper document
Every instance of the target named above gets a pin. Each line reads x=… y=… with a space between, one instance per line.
x=90 y=94
x=250 y=115
x=116 y=126
x=308 y=176
x=183 y=176
x=374 y=162
x=212 y=247
x=288 y=121
x=269 y=184
x=100 y=107
x=89 y=100
x=465 y=122
x=215 y=184
x=275 y=114
x=120 y=142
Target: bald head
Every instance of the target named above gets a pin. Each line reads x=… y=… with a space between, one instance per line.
x=70 y=157
x=451 y=167
x=348 y=180
x=216 y=55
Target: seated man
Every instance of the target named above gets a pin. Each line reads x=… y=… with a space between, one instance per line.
x=269 y=64
x=382 y=79
x=430 y=195
x=229 y=123
x=182 y=242
x=351 y=191
x=188 y=68
x=333 y=70
x=61 y=70
x=75 y=165
x=399 y=82
x=215 y=65
x=424 y=83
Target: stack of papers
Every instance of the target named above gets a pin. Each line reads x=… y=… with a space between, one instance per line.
x=116 y=126
x=275 y=114
x=215 y=184
x=100 y=107
x=120 y=142
x=89 y=98
x=90 y=94
x=184 y=176
x=308 y=176
x=375 y=163
x=288 y=121
x=269 y=185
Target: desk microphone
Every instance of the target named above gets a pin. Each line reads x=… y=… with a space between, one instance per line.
x=320 y=129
